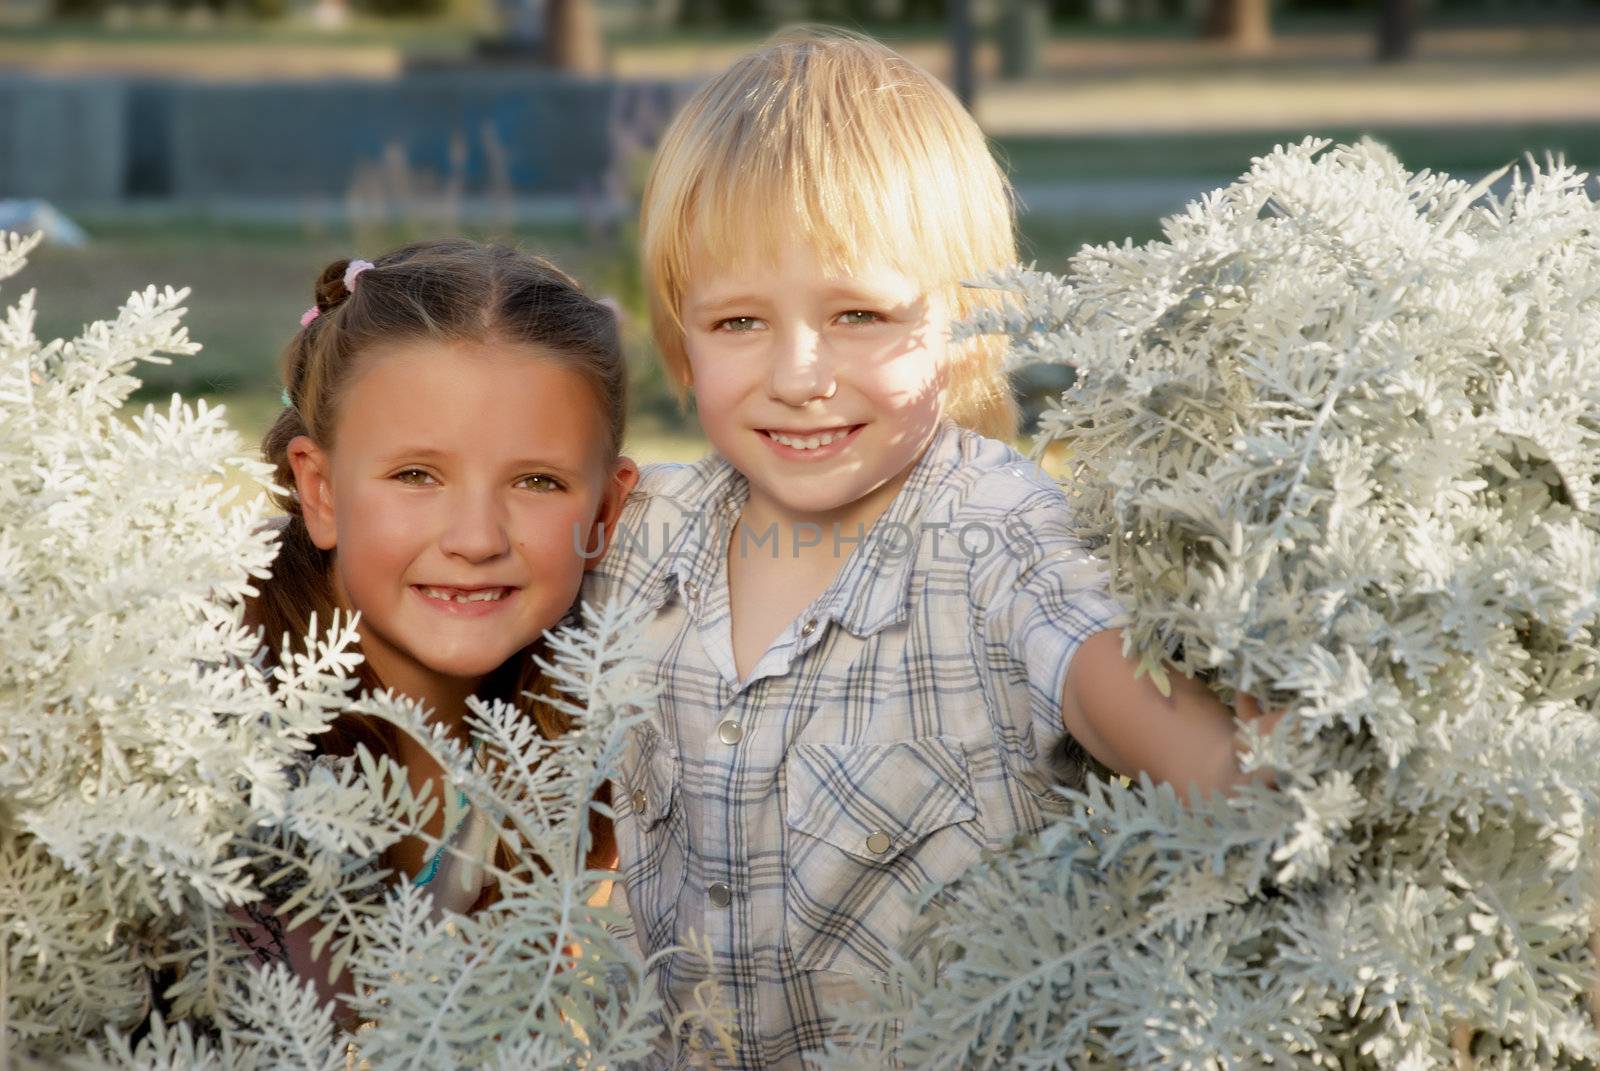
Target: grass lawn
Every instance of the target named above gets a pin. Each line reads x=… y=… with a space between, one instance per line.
x=1468 y=149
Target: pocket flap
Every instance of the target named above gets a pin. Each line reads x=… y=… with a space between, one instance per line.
x=875 y=800
x=649 y=778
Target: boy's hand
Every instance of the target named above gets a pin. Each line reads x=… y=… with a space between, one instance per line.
x=1187 y=738
x=1248 y=709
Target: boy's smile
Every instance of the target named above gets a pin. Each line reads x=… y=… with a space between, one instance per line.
x=813 y=444
x=822 y=387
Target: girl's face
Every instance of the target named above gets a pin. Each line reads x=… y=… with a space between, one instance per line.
x=822 y=389
x=464 y=485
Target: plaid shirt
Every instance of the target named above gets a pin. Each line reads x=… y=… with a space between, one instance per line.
x=894 y=731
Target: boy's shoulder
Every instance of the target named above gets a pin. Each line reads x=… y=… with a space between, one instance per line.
x=670 y=489
x=667 y=508
x=1007 y=517
x=984 y=479
x=677 y=479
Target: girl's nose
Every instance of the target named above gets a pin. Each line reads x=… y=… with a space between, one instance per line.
x=475 y=529
x=801 y=370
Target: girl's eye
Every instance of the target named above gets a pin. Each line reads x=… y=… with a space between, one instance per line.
x=859 y=316
x=736 y=324
x=414 y=477
x=540 y=482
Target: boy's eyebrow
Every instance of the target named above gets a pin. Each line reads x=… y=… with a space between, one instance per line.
x=724 y=301
x=848 y=290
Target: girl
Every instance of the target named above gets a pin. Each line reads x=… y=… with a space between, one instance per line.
x=873 y=622
x=451 y=435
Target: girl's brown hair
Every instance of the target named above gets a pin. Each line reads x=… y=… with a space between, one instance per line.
x=448 y=290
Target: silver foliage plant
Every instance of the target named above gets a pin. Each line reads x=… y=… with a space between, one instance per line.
x=1337 y=437
x=146 y=750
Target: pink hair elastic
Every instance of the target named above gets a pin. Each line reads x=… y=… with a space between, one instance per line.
x=351 y=272
x=355 y=269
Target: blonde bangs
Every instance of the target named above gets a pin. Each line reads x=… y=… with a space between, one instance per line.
x=832 y=137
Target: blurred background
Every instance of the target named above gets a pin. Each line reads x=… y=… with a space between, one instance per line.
x=235 y=146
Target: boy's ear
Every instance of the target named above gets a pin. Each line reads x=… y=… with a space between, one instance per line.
x=313 y=483
x=624 y=477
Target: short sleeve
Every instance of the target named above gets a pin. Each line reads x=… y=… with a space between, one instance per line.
x=1048 y=599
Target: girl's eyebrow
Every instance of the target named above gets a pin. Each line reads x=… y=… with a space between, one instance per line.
x=522 y=464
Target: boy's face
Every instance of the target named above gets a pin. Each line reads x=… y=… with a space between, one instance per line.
x=823 y=388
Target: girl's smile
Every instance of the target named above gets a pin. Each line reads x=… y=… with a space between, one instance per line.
x=473 y=601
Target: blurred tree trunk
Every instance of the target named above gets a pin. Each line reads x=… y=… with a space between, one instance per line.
x=572 y=36
x=1397 y=30
x=1024 y=28
x=962 y=47
x=1244 y=24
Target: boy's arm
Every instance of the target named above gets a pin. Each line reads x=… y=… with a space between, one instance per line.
x=1187 y=739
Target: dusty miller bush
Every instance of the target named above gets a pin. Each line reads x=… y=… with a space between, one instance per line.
x=144 y=745
x=1337 y=436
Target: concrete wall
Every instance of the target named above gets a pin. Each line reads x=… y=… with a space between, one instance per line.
x=483 y=132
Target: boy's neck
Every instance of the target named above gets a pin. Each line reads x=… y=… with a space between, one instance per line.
x=762 y=513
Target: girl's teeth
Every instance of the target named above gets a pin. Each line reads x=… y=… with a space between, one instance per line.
x=487 y=595
x=808 y=442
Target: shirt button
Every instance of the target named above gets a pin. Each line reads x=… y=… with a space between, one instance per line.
x=730 y=732
x=809 y=627
x=720 y=894
x=690 y=589
x=640 y=800
x=878 y=842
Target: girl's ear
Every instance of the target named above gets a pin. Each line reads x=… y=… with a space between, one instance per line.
x=624 y=477
x=313 y=484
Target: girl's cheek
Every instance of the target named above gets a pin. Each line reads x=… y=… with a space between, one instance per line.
x=554 y=537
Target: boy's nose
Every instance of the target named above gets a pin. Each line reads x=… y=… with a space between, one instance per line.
x=475 y=528
x=801 y=370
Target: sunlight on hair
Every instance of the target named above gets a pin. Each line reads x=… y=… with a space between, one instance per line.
x=862 y=153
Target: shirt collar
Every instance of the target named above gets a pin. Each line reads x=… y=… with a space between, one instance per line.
x=870 y=592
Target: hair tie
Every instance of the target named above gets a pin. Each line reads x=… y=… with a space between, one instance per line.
x=310 y=314
x=355 y=269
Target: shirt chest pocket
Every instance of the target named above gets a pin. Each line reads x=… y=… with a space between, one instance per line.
x=650 y=835
x=869 y=826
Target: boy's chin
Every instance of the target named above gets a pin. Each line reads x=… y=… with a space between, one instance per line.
x=823 y=497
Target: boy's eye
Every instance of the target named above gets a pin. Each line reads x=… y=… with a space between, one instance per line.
x=859 y=316
x=737 y=324
x=540 y=482
x=414 y=477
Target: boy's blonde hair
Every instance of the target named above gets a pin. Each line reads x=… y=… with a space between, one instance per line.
x=839 y=139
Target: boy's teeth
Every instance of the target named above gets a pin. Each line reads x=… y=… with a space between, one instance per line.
x=808 y=442
x=486 y=595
